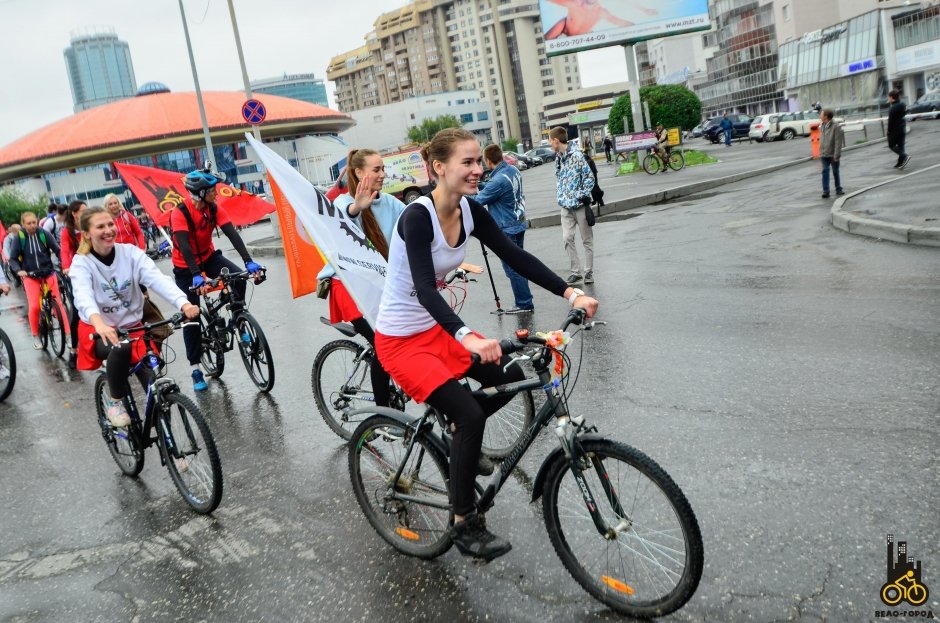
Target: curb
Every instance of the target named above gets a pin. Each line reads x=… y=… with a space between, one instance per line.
x=633 y=203
x=883 y=230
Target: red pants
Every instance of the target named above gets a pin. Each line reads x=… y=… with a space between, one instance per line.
x=33 y=287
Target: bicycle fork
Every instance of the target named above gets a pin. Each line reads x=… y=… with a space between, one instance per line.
x=567 y=431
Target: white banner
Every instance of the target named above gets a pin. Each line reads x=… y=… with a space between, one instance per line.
x=360 y=267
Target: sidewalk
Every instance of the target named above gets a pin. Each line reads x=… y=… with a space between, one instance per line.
x=903 y=209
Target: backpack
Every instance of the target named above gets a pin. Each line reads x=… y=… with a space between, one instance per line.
x=42 y=237
x=191 y=224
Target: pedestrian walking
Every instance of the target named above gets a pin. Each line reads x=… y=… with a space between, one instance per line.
x=897 y=126
x=574 y=184
x=726 y=127
x=831 y=140
x=608 y=146
x=505 y=201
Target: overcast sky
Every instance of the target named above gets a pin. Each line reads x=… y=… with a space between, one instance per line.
x=278 y=36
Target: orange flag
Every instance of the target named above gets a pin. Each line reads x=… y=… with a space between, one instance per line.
x=304 y=259
x=160 y=191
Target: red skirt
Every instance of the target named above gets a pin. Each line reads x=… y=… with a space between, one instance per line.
x=422 y=362
x=86 y=348
x=342 y=306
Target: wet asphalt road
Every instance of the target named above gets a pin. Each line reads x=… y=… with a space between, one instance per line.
x=783 y=372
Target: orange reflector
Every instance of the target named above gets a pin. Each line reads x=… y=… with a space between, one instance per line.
x=411 y=536
x=617 y=585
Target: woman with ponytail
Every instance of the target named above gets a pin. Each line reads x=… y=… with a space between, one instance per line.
x=376 y=214
x=71 y=237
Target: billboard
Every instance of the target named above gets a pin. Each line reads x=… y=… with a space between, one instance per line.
x=576 y=25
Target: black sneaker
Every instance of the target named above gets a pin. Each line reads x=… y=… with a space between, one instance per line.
x=485 y=466
x=904 y=164
x=840 y=192
x=573 y=278
x=73 y=361
x=473 y=539
x=825 y=195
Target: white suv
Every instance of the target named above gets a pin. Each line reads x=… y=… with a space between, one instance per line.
x=761 y=126
x=789 y=125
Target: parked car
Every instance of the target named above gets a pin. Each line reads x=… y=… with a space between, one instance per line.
x=696 y=132
x=519 y=164
x=545 y=153
x=529 y=162
x=760 y=126
x=789 y=125
x=741 y=125
x=928 y=102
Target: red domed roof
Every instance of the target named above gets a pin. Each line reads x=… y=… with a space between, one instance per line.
x=157 y=123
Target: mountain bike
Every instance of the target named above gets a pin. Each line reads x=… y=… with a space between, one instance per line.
x=51 y=322
x=620 y=525
x=653 y=163
x=7 y=366
x=225 y=321
x=65 y=289
x=342 y=384
x=170 y=420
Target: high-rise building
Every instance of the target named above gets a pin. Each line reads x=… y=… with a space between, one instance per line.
x=304 y=87
x=433 y=46
x=100 y=69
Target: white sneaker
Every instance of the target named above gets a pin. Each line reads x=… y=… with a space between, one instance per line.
x=117 y=414
x=182 y=465
x=37 y=344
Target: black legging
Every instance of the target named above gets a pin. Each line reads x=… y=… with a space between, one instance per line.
x=118 y=359
x=453 y=399
x=380 y=378
x=73 y=319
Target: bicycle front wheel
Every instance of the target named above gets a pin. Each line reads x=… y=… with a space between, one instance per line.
x=213 y=350
x=505 y=427
x=56 y=328
x=123 y=443
x=44 y=322
x=342 y=382
x=413 y=514
x=7 y=366
x=255 y=352
x=676 y=161
x=650 y=561
x=652 y=164
x=189 y=451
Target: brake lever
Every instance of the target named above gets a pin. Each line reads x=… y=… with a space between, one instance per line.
x=513 y=360
x=593 y=323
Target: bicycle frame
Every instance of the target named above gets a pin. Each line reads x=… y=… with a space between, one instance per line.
x=156 y=388
x=567 y=429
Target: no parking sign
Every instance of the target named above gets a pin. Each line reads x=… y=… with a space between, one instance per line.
x=254 y=112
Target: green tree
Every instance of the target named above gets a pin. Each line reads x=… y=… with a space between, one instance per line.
x=672 y=105
x=510 y=144
x=429 y=127
x=14 y=202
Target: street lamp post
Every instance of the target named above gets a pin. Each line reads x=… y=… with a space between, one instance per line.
x=210 y=154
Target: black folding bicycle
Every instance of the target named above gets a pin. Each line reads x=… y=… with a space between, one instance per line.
x=620 y=525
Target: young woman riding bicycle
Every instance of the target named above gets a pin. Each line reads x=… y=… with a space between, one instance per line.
x=421 y=341
x=71 y=238
x=106 y=279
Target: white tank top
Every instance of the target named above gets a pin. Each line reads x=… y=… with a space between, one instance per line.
x=400 y=313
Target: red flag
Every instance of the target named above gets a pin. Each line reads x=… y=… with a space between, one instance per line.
x=304 y=259
x=160 y=191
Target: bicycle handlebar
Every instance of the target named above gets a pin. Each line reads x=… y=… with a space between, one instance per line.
x=225 y=277
x=176 y=320
x=507 y=346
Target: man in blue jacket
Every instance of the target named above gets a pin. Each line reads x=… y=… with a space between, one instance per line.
x=505 y=201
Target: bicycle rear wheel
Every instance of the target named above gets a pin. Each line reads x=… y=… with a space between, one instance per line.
x=676 y=161
x=56 y=328
x=342 y=382
x=123 y=443
x=420 y=524
x=213 y=348
x=650 y=562
x=255 y=352
x=189 y=452
x=652 y=164
x=7 y=366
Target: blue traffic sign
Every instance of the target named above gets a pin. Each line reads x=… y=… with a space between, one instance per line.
x=254 y=112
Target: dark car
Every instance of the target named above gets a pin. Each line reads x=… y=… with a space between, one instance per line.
x=545 y=153
x=529 y=161
x=929 y=102
x=740 y=128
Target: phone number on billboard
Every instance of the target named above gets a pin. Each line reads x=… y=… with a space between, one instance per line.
x=576 y=41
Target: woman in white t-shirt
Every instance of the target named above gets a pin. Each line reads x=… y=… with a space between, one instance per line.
x=106 y=279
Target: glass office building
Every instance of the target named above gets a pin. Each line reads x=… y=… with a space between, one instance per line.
x=100 y=69
x=917 y=55
x=304 y=87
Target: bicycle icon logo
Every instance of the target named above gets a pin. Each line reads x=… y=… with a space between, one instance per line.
x=904 y=577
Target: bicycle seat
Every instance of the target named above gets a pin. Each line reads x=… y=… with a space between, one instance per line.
x=343 y=327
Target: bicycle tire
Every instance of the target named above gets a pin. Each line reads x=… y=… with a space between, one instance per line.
x=123 y=444
x=256 y=354
x=212 y=357
x=676 y=161
x=605 y=576
x=8 y=362
x=200 y=482
x=333 y=367
x=56 y=328
x=652 y=164
x=411 y=528
x=505 y=427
